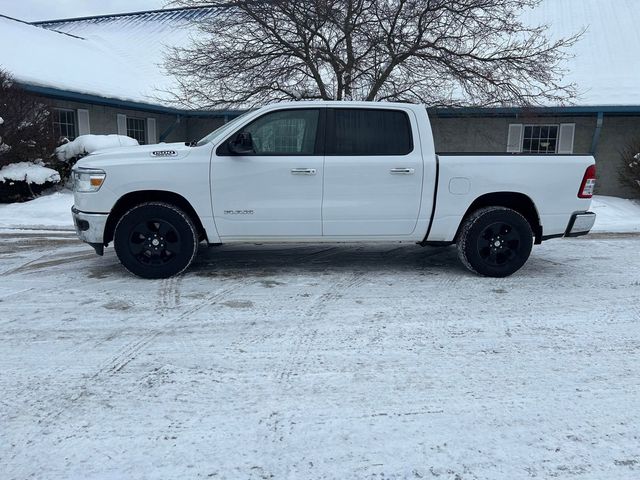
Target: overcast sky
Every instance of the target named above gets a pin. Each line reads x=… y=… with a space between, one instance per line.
x=32 y=10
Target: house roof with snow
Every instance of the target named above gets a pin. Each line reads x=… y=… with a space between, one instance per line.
x=114 y=59
x=118 y=58
x=51 y=59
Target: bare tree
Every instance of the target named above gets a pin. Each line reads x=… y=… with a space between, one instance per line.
x=438 y=52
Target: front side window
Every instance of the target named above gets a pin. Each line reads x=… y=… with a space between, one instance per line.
x=360 y=131
x=136 y=128
x=540 y=139
x=64 y=123
x=287 y=132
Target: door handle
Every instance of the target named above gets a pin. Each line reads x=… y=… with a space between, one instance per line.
x=402 y=171
x=303 y=171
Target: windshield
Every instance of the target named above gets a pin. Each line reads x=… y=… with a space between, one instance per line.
x=222 y=129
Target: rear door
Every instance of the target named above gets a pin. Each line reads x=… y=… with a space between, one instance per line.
x=372 y=173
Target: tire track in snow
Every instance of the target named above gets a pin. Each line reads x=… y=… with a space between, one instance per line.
x=36 y=264
x=297 y=360
x=132 y=350
x=169 y=293
x=125 y=355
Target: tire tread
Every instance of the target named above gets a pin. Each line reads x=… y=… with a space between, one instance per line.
x=468 y=223
x=178 y=211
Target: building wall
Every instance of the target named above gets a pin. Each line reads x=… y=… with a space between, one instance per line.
x=103 y=120
x=617 y=134
x=489 y=134
x=198 y=127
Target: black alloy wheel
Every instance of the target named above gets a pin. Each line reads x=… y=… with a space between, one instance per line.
x=498 y=243
x=155 y=240
x=495 y=241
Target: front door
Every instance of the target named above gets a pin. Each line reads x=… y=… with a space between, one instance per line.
x=276 y=190
x=373 y=173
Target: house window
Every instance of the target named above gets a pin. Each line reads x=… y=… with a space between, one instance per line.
x=136 y=128
x=540 y=139
x=64 y=123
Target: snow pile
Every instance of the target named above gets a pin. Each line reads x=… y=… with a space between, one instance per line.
x=29 y=172
x=49 y=211
x=616 y=215
x=85 y=144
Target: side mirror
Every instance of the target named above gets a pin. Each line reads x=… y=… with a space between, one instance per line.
x=242 y=144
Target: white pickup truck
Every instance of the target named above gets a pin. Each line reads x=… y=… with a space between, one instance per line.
x=326 y=172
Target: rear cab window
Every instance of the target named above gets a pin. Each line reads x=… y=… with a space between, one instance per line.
x=368 y=131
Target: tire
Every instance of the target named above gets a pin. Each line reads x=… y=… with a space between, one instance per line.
x=155 y=240
x=495 y=241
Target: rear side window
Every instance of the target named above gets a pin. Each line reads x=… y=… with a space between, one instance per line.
x=362 y=131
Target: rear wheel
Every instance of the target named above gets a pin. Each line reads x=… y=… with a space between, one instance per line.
x=155 y=240
x=495 y=241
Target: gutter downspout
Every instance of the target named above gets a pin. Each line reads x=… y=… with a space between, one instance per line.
x=596 y=134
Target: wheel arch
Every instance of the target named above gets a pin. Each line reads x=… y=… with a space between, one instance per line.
x=521 y=203
x=131 y=199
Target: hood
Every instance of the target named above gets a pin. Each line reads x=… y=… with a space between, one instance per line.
x=137 y=153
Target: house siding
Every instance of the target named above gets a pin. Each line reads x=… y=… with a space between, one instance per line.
x=617 y=134
x=198 y=127
x=103 y=119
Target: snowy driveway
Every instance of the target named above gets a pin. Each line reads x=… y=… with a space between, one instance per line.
x=320 y=362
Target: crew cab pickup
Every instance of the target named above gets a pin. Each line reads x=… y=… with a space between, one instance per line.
x=326 y=172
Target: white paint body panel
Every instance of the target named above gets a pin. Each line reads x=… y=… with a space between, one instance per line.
x=348 y=199
x=132 y=169
x=363 y=197
x=258 y=196
x=550 y=181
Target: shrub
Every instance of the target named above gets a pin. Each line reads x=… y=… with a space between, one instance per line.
x=26 y=129
x=26 y=138
x=630 y=171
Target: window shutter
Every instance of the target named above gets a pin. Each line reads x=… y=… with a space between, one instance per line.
x=122 y=124
x=514 y=141
x=565 y=139
x=83 y=122
x=151 y=131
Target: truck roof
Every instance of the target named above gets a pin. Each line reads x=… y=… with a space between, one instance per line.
x=344 y=103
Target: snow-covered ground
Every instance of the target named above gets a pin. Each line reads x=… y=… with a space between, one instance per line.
x=322 y=362
x=615 y=215
x=46 y=212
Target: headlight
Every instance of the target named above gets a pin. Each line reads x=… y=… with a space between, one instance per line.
x=88 y=180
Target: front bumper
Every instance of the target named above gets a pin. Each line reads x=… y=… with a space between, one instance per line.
x=580 y=224
x=90 y=227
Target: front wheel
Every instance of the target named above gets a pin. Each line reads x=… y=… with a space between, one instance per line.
x=495 y=241
x=155 y=240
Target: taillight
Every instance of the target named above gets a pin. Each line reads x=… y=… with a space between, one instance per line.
x=588 y=183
